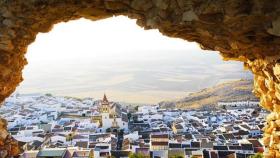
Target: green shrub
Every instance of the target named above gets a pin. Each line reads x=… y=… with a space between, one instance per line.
x=135 y=155
x=258 y=155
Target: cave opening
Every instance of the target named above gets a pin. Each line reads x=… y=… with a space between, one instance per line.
x=62 y=61
x=239 y=30
x=85 y=59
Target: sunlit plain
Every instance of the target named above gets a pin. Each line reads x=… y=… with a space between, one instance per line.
x=85 y=59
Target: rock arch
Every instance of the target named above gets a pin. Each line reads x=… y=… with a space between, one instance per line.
x=242 y=30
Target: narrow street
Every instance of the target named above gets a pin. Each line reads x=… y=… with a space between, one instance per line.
x=120 y=140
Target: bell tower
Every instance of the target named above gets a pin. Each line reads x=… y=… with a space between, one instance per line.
x=105 y=105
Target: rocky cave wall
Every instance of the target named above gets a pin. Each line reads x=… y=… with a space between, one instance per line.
x=243 y=30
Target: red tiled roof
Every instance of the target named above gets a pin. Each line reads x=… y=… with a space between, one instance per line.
x=255 y=142
x=160 y=143
x=214 y=154
x=159 y=136
x=259 y=150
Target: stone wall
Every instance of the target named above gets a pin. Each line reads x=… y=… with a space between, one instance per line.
x=243 y=30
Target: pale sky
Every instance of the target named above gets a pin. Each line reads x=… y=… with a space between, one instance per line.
x=105 y=39
x=83 y=58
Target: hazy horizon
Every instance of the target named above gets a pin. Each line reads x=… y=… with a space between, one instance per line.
x=114 y=56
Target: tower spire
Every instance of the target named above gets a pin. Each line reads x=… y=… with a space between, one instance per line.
x=105 y=98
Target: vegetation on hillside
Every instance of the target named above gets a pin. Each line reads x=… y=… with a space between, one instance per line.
x=240 y=90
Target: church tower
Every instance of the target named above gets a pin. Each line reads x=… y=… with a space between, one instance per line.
x=105 y=105
x=105 y=114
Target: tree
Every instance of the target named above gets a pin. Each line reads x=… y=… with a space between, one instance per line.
x=137 y=155
x=136 y=108
x=129 y=116
x=135 y=118
x=115 y=130
x=121 y=132
x=258 y=155
x=48 y=94
x=108 y=130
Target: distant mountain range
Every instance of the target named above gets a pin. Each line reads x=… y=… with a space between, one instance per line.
x=240 y=90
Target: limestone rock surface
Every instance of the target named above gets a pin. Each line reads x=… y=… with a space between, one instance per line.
x=243 y=30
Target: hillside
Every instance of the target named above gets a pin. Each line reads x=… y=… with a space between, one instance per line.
x=240 y=90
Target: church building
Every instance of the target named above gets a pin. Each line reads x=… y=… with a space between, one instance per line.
x=112 y=115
